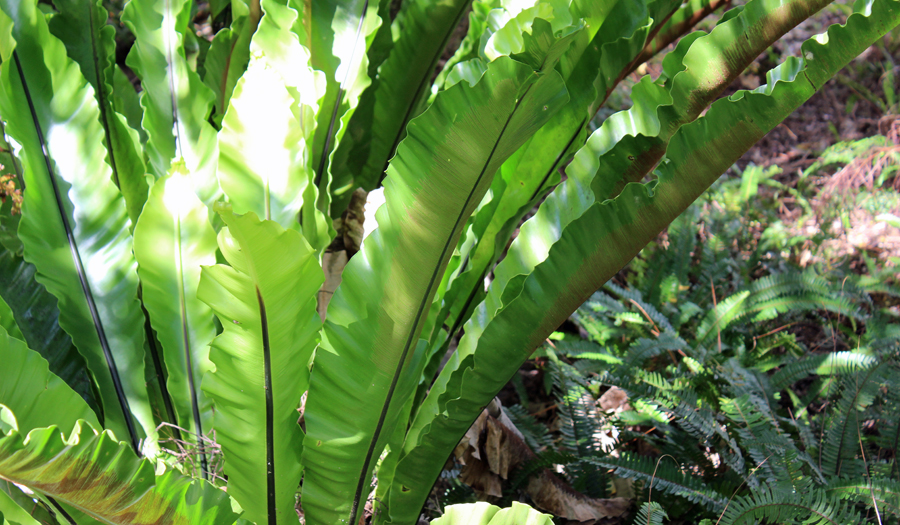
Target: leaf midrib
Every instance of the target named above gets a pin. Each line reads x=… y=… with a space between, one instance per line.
x=103 y=105
x=79 y=267
x=420 y=311
x=182 y=304
x=270 y=412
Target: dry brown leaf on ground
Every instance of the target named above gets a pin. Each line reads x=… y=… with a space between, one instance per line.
x=554 y=495
x=614 y=400
x=492 y=449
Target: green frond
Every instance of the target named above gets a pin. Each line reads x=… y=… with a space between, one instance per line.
x=625 y=294
x=543 y=460
x=643 y=349
x=579 y=427
x=576 y=347
x=696 y=418
x=722 y=315
x=664 y=477
x=773 y=505
x=843 y=428
x=833 y=363
x=536 y=434
x=600 y=302
x=882 y=493
x=650 y=513
x=778 y=294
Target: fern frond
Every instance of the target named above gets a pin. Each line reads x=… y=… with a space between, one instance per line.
x=536 y=434
x=643 y=349
x=662 y=383
x=776 y=505
x=783 y=339
x=603 y=302
x=883 y=338
x=650 y=513
x=790 y=283
x=687 y=311
x=770 y=309
x=721 y=316
x=624 y=293
x=582 y=349
x=884 y=493
x=665 y=478
x=572 y=347
x=699 y=422
x=661 y=321
x=541 y=461
x=777 y=294
x=841 y=443
x=579 y=427
x=833 y=363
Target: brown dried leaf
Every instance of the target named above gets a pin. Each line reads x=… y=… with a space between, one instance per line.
x=492 y=449
x=553 y=495
x=614 y=400
x=349 y=227
x=333 y=264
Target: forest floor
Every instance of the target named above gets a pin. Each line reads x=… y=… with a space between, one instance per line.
x=859 y=102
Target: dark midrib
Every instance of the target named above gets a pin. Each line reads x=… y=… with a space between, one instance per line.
x=101 y=96
x=537 y=191
x=204 y=468
x=158 y=366
x=60 y=510
x=79 y=267
x=323 y=159
x=420 y=311
x=270 y=411
x=422 y=83
x=104 y=120
x=457 y=323
x=559 y=158
x=195 y=407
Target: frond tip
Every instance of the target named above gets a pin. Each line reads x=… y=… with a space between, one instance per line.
x=651 y=513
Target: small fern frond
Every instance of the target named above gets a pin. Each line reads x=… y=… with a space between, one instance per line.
x=883 y=493
x=665 y=478
x=579 y=428
x=536 y=434
x=841 y=443
x=833 y=363
x=603 y=302
x=650 y=513
x=541 y=461
x=777 y=505
x=721 y=316
x=643 y=349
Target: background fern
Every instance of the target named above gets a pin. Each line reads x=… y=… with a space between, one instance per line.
x=757 y=392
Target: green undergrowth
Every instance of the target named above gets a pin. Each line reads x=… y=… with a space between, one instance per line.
x=757 y=392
